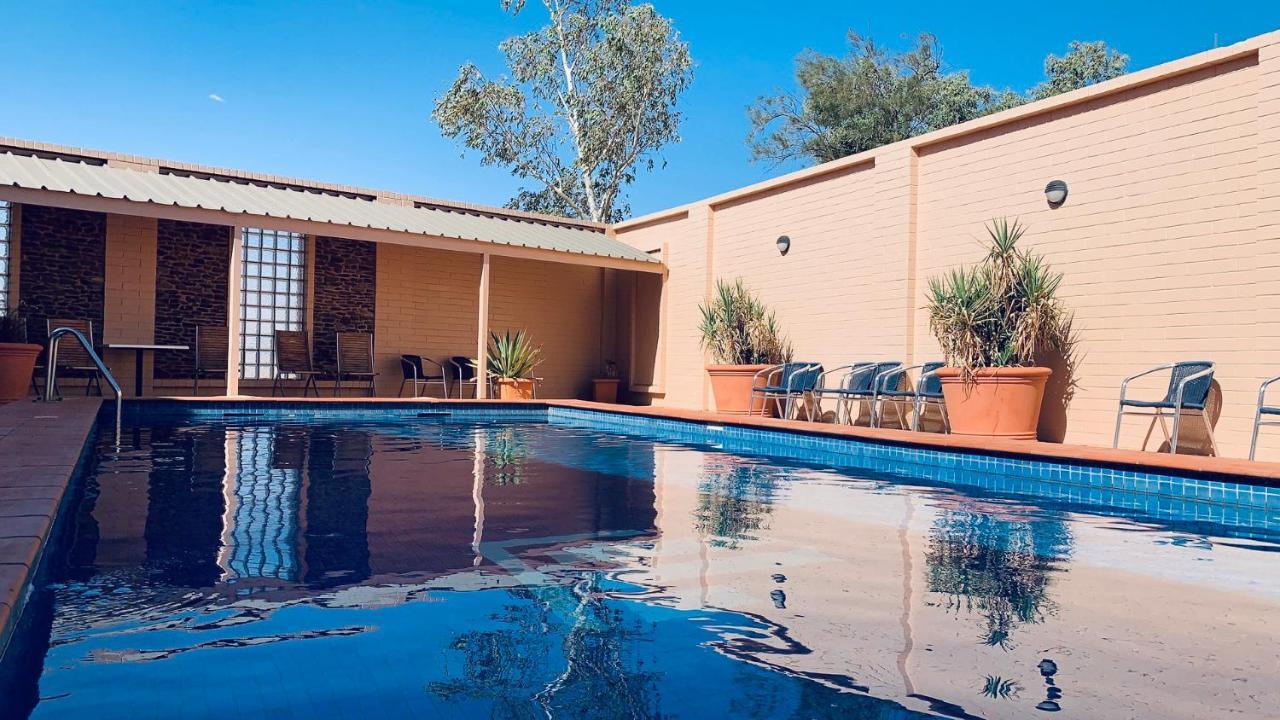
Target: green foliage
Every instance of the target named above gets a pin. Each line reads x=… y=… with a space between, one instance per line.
x=590 y=100
x=1085 y=64
x=738 y=329
x=873 y=97
x=1002 y=312
x=512 y=356
x=13 y=324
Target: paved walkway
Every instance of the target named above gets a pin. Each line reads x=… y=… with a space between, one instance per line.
x=39 y=447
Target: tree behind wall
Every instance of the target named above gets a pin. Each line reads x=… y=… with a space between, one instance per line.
x=873 y=97
x=590 y=100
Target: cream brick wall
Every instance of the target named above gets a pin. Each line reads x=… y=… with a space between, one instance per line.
x=129 y=295
x=427 y=304
x=561 y=307
x=1169 y=239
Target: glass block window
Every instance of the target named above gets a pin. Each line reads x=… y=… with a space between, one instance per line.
x=6 y=256
x=272 y=296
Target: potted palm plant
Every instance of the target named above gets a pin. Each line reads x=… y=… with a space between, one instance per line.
x=17 y=356
x=512 y=359
x=742 y=337
x=994 y=320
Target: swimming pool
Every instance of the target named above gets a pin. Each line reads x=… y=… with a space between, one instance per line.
x=575 y=564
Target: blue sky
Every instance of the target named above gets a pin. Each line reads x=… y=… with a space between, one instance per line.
x=342 y=91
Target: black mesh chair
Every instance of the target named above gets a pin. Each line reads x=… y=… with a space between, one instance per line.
x=210 y=354
x=460 y=372
x=1263 y=410
x=414 y=370
x=1188 y=391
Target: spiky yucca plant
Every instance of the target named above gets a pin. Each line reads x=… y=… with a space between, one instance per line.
x=738 y=329
x=512 y=356
x=1002 y=312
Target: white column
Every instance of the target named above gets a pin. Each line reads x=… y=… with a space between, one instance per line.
x=482 y=335
x=233 y=311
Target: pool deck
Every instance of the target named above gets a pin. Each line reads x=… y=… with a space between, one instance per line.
x=41 y=444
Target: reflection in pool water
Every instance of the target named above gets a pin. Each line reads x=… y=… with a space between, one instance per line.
x=456 y=570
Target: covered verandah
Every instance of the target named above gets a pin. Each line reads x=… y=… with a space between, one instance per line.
x=148 y=251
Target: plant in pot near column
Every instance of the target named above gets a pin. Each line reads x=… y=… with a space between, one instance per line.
x=17 y=356
x=994 y=321
x=512 y=360
x=741 y=336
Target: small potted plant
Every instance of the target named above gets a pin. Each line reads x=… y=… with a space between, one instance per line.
x=742 y=337
x=512 y=359
x=994 y=321
x=17 y=356
x=605 y=389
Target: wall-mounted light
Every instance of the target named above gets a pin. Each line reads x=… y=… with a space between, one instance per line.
x=784 y=244
x=1055 y=192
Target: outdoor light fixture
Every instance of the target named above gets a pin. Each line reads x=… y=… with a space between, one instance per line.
x=1055 y=192
x=784 y=244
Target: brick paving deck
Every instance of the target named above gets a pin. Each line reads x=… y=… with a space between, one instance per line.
x=40 y=445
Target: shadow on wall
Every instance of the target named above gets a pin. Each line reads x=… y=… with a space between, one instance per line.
x=1058 y=392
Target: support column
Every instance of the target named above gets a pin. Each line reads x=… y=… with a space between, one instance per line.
x=233 y=311
x=482 y=335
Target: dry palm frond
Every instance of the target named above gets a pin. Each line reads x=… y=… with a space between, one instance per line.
x=1003 y=312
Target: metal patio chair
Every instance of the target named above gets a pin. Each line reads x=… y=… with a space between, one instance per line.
x=888 y=387
x=414 y=371
x=929 y=392
x=1188 y=391
x=355 y=361
x=460 y=372
x=293 y=357
x=858 y=383
x=73 y=358
x=783 y=385
x=210 y=353
x=1263 y=409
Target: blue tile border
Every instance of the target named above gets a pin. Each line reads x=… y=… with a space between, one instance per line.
x=1189 y=496
x=1199 y=499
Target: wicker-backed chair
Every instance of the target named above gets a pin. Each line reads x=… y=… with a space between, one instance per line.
x=210 y=354
x=73 y=359
x=1188 y=391
x=889 y=387
x=413 y=368
x=355 y=361
x=858 y=383
x=293 y=357
x=784 y=385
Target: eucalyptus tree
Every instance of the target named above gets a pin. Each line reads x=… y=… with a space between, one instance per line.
x=873 y=96
x=590 y=99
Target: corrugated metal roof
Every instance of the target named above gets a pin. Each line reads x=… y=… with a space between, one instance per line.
x=35 y=173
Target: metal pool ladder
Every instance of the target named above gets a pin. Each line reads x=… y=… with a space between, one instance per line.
x=51 y=373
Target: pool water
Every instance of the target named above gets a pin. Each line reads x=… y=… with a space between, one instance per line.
x=341 y=569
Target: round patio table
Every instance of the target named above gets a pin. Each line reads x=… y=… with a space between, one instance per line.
x=139 y=349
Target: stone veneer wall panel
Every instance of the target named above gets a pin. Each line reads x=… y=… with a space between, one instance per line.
x=63 y=266
x=344 y=293
x=192 y=264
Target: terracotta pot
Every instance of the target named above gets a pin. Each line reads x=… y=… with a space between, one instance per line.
x=1001 y=402
x=605 y=390
x=17 y=360
x=515 y=389
x=731 y=386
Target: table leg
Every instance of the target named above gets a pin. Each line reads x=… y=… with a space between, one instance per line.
x=137 y=374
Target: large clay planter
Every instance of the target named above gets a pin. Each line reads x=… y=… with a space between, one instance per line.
x=515 y=389
x=731 y=386
x=17 y=360
x=1001 y=402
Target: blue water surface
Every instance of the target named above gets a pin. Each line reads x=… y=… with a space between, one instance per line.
x=346 y=569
